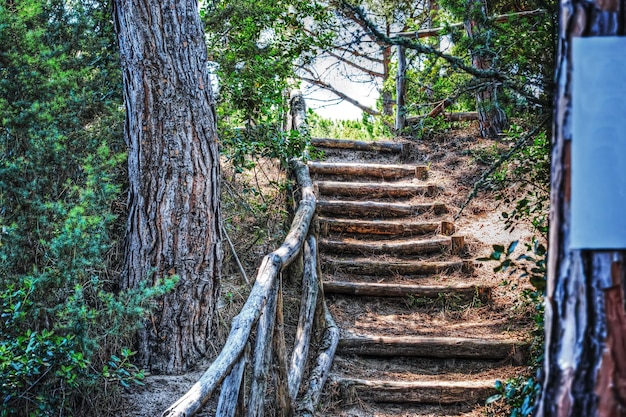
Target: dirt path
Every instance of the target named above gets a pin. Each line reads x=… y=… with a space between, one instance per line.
x=425 y=331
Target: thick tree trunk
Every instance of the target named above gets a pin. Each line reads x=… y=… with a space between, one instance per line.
x=173 y=226
x=585 y=361
x=491 y=118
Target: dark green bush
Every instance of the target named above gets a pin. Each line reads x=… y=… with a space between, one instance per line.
x=64 y=324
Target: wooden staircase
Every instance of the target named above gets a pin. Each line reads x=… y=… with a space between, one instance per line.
x=398 y=278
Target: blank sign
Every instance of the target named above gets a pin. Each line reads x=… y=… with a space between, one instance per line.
x=598 y=143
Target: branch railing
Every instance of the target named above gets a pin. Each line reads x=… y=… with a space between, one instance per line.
x=244 y=356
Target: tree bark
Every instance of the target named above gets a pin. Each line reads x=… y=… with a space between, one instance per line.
x=585 y=365
x=491 y=118
x=174 y=219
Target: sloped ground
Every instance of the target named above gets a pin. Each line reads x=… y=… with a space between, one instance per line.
x=415 y=342
x=454 y=165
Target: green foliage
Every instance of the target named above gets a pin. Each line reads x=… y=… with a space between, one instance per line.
x=527 y=172
x=520 y=393
x=368 y=128
x=522 y=49
x=255 y=46
x=61 y=181
x=242 y=146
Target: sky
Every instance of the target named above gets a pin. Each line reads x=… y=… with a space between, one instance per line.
x=328 y=106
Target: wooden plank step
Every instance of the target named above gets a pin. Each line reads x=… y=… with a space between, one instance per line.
x=366 y=266
x=371 y=209
x=383 y=171
x=359 y=145
x=375 y=189
x=426 y=392
x=407 y=247
x=374 y=289
x=434 y=347
x=383 y=227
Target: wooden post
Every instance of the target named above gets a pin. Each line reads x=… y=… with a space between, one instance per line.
x=457 y=244
x=284 y=403
x=306 y=320
x=229 y=404
x=401 y=89
x=262 y=356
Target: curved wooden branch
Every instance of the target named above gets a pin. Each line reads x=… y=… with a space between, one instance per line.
x=306 y=407
x=310 y=289
x=243 y=323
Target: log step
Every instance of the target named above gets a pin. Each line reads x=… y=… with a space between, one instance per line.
x=375 y=190
x=383 y=227
x=410 y=247
x=359 y=145
x=434 y=347
x=374 y=289
x=369 y=209
x=366 y=266
x=426 y=392
x=382 y=171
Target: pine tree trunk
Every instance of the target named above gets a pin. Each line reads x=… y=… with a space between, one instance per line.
x=174 y=218
x=585 y=358
x=387 y=96
x=491 y=118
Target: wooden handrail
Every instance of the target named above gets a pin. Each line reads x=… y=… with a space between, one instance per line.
x=263 y=308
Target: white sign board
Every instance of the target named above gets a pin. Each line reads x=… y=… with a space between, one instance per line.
x=598 y=143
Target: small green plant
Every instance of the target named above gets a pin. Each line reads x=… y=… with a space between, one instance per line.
x=520 y=393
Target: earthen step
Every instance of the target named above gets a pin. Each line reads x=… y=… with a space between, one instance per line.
x=359 y=145
x=419 y=318
x=375 y=189
x=373 y=289
x=453 y=244
x=383 y=227
x=366 y=266
x=382 y=171
x=409 y=247
x=434 y=347
x=425 y=392
x=370 y=209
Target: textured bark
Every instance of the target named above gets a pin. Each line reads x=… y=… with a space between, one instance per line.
x=173 y=226
x=319 y=374
x=585 y=364
x=242 y=324
x=401 y=89
x=491 y=118
x=310 y=289
x=262 y=356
